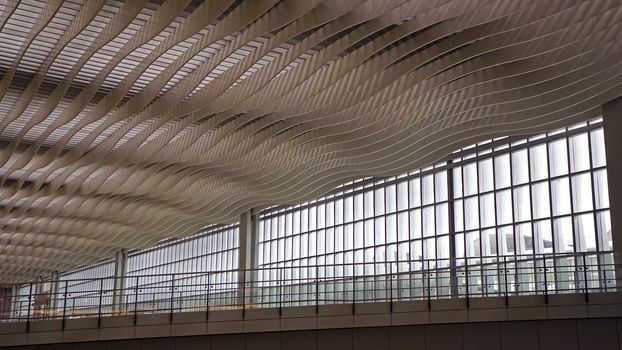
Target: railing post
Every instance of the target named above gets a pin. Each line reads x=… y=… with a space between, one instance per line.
x=317 y=290
x=243 y=293
x=429 y=287
x=587 y=296
x=353 y=288
x=65 y=303
x=207 y=299
x=546 y=283
x=505 y=277
x=99 y=308
x=136 y=301
x=28 y=313
x=280 y=283
x=390 y=287
x=466 y=274
x=172 y=297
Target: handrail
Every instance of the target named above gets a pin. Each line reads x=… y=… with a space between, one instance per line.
x=285 y=286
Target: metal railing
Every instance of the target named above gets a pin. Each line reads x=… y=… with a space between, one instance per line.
x=290 y=286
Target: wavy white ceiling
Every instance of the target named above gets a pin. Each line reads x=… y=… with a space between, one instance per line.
x=122 y=123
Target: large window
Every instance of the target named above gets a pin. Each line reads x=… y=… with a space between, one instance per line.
x=80 y=285
x=509 y=200
x=180 y=269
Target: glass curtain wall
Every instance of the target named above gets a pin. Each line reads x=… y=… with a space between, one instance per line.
x=504 y=202
x=77 y=291
x=178 y=272
x=82 y=287
x=479 y=222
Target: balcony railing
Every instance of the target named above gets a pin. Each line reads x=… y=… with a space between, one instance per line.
x=290 y=286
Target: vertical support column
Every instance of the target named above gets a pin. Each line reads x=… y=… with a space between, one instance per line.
x=246 y=256
x=40 y=298
x=612 y=120
x=612 y=125
x=15 y=301
x=120 y=268
x=54 y=278
x=453 y=275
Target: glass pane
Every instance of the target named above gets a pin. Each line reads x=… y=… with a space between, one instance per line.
x=502 y=171
x=520 y=167
x=415 y=223
x=442 y=219
x=522 y=206
x=579 y=152
x=428 y=221
x=470 y=179
x=604 y=230
x=598 y=148
x=562 y=230
x=538 y=163
x=540 y=200
x=443 y=247
x=485 y=175
x=601 y=191
x=458 y=215
x=459 y=243
x=472 y=244
x=430 y=248
x=379 y=231
x=414 y=194
x=504 y=207
x=358 y=207
x=403 y=226
x=369 y=232
x=391 y=227
x=457 y=179
x=416 y=252
x=581 y=192
x=525 y=239
x=378 y=202
x=487 y=210
x=428 y=189
x=402 y=196
x=585 y=235
x=560 y=193
x=506 y=240
x=544 y=237
x=471 y=213
x=391 y=199
x=440 y=186
x=558 y=157
x=489 y=242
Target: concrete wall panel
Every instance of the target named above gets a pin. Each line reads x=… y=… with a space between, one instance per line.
x=334 y=339
x=519 y=335
x=601 y=334
x=407 y=337
x=370 y=338
x=193 y=343
x=444 y=337
x=228 y=342
x=558 y=335
x=263 y=341
x=301 y=340
x=481 y=336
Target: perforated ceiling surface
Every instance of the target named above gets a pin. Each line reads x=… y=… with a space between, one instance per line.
x=122 y=123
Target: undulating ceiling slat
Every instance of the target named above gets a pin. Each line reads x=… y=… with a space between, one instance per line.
x=125 y=122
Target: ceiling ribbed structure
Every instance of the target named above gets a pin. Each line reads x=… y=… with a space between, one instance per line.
x=122 y=123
